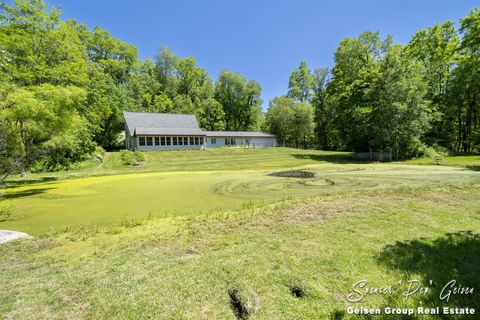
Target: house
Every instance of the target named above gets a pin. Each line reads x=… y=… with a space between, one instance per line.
x=168 y=131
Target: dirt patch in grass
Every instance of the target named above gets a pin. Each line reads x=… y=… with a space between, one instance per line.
x=297 y=291
x=293 y=174
x=237 y=304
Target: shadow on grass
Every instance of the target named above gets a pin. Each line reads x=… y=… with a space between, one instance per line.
x=26 y=182
x=25 y=193
x=332 y=158
x=474 y=168
x=454 y=256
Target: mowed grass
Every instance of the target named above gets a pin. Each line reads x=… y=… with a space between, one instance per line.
x=220 y=238
x=468 y=161
x=293 y=260
x=195 y=160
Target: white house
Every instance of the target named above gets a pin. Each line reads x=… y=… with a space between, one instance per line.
x=168 y=131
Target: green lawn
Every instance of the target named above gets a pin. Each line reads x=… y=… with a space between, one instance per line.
x=211 y=235
x=197 y=160
x=469 y=161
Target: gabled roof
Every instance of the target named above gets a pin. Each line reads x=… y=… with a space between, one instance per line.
x=161 y=123
x=244 y=134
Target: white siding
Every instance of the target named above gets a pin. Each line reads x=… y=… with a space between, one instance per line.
x=255 y=142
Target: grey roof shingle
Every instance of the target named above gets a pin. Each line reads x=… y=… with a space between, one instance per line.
x=149 y=123
x=245 y=134
x=161 y=123
x=169 y=131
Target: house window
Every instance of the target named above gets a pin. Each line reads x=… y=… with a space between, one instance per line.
x=201 y=141
x=247 y=141
x=196 y=141
x=180 y=141
x=157 y=141
x=162 y=141
x=229 y=141
x=213 y=140
x=169 y=141
x=185 y=141
x=149 y=141
x=191 y=141
x=141 y=141
x=174 y=141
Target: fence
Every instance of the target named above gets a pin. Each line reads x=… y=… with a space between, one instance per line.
x=373 y=156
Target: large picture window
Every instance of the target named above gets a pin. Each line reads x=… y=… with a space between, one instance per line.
x=157 y=141
x=213 y=140
x=174 y=141
x=180 y=141
x=169 y=141
x=191 y=141
x=201 y=141
x=185 y=141
x=141 y=141
x=162 y=141
x=196 y=141
x=149 y=141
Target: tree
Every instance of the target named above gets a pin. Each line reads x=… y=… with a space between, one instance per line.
x=465 y=88
x=437 y=49
x=39 y=118
x=166 y=64
x=211 y=115
x=240 y=100
x=319 y=102
x=38 y=48
x=401 y=114
x=117 y=58
x=301 y=83
x=291 y=121
x=105 y=101
x=352 y=76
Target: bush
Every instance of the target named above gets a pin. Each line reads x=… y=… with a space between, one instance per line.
x=98 y=154
x=130 y=158
x=127 y=157
x=139 y=156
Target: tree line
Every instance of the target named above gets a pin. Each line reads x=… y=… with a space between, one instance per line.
x=63 y=88
x=412 y=100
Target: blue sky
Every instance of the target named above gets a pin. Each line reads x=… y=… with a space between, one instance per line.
x=264 y=40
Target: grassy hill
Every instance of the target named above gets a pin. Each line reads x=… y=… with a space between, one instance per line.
x=213 y=235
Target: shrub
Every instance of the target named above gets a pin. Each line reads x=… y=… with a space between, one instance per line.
x=98 y=154
x=130 y=158
x=127 y=157
x=139 y=156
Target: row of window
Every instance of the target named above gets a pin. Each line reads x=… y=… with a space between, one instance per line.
x=170 y=141
x=182 y=141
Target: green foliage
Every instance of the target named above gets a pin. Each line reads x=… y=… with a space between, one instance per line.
x=400 y=114
x=301 y=83
x=38 y=47
x=44 y=120
x=291 y=121
x=131 y=158
x=240 y=99
x=211 y=116
x=139 y=156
